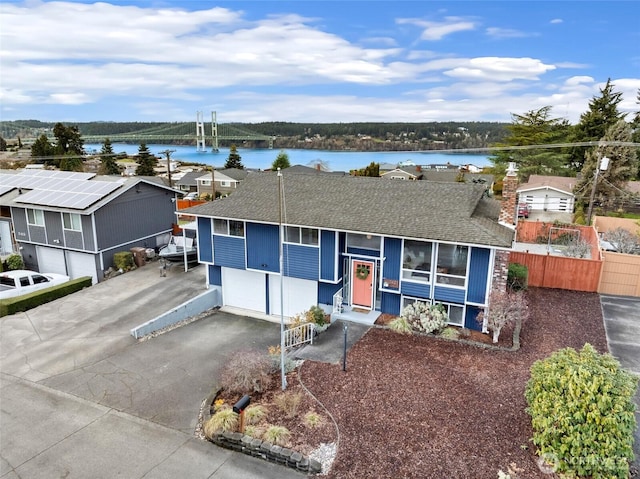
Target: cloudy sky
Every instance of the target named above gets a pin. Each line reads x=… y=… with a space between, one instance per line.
x=313 y=61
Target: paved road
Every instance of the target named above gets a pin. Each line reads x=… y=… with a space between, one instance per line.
x=622 y=325
x=79 y=397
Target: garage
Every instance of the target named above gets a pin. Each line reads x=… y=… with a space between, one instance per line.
x=51 y=260
x=244 y=289
x=81 y=264
x=299 y=295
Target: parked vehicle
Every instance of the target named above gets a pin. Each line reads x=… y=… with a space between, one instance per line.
x=174 y=252
x=191 y=196
x=524 y=209
x=21 y=281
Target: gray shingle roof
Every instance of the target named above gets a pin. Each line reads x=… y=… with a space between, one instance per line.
x=455 y=212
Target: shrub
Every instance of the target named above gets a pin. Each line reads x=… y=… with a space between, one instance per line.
x=123 y=260
x=450 y=333
x=14 y=262
x=425 y=318
x=312 y=420
x=253 y=431
x=254 y=414
x=31 y=300
x=275 y=356
x=222 y=421
x=288 y=402
x=504 y=308
x=277 y=435
x=517 y=277
x=582 y=412
x=246 y=372
x=400 y=325
x=316 y=315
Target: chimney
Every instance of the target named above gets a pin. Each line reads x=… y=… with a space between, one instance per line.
x=508 y=212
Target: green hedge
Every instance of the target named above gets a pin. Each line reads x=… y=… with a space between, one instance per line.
x=31 y=300
x=582 y=413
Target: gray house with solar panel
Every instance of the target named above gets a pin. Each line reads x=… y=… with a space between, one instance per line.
x=72 y=223
x=356 y=246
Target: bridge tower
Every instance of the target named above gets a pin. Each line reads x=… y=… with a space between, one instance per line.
x=200 y=140
x=214 y=131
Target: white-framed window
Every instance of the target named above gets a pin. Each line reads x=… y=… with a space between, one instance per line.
x=205 y=182
x=355 y=240
x=407 y=300
x=455 y=313
x=398 y=178
x=416 y=262
x=228 y=227
x=452 y=264
x=72 y=221
x=35 y=217
x=225 y=184
x=298 y=235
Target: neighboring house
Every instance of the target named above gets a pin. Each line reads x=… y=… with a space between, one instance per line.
x=368 y=244
x=226 y=181
x=439 y=167
x=548 y=193
x=188 y=182
x=72 y=223
x=384 y=167
x=399 y=174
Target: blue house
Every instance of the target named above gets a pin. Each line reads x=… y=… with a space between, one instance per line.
x=354 y=245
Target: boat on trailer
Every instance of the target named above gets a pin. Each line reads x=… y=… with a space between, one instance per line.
x=174 y=251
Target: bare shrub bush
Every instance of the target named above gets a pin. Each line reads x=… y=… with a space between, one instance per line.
x=246 y=372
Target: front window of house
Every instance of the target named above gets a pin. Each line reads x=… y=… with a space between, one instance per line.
x=355 y=240
x=455 y=312
x=416 y=264
x=452 y=264
x=225 y=184
x=228 y=227
x=71 y=221
x=35 y=217
x=205 y=182
x=298 y=235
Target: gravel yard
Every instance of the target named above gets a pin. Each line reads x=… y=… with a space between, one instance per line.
x=421 y=407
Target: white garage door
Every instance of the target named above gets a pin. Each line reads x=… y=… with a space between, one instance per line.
x=244 y=289
x=51 y=260
x=299 y=295
x=81 y=264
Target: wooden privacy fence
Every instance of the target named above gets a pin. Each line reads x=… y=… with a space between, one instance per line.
x=561 y=272
x=620 y=274
x=539 y=231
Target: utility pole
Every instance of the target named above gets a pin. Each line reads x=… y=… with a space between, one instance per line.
x=213 y=182
x=602 y=165
x=167 y=153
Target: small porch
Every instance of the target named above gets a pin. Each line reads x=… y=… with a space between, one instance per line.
x=340 y=311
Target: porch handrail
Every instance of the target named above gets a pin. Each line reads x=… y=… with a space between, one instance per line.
x=337 y=301
x=299 y=335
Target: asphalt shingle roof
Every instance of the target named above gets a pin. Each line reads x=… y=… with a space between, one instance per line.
x=455 y=212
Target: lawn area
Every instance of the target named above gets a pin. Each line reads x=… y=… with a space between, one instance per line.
x=422 y=407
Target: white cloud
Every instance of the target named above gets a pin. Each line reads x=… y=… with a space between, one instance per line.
x=500 y=69
x=556 y=21
x=507 y=33
x=439 y=30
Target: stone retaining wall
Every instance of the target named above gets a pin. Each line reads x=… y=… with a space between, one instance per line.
x=257 y=448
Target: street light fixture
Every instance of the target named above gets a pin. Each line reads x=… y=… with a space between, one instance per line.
x=604 y=164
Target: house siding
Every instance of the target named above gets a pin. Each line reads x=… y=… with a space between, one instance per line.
x=148 y=212
x=370 y=253
x=53 y=226
x=228 y=251
x=215 y=275
x=263 y=247
x=417 y=290
x=301 y=261
x=20 y=227
x=73 y=239
x=470 y=318
x=390 y=303
x=449 y=295
x=393 y=258
x=478 y=272
x=205 y=240
x=326 y=292
x=328 y=255
x=87 y=233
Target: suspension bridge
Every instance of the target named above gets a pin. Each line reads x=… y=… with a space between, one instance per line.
x=203 y=135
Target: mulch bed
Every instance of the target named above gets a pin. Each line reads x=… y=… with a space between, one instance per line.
x=420 y=407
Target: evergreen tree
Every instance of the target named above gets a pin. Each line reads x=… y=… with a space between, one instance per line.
x=372 y=170
x=281 y=161
x=68 y=140
x=42 y=150
x=623 y=165
x=146 y=162
x=71 y=162
x=603 y=112
x=108 y=164
x=635 y=125
x=234 y=160
x=3 y=144
x=536 y=127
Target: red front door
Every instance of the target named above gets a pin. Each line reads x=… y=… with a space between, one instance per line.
x=362 y=281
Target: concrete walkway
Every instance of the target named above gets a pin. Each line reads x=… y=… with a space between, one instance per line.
x=82 y=398
x=622 y=325
x=328 y=347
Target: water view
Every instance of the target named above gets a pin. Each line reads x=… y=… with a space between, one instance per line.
x=334 y=160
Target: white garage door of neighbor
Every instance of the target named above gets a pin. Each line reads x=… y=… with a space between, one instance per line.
x=553 y=203
x=81 y=264
x=244 y=289
x=299 y=295
x=51 y=260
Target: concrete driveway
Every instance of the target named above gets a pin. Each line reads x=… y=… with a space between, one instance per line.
x=82 y=398
x=622 y=325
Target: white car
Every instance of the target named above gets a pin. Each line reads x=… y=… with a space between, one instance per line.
x=191 y=196
x=22 y=281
